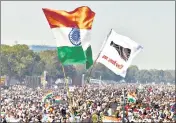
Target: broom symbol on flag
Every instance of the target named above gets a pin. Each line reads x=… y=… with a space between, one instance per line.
x=123 y=52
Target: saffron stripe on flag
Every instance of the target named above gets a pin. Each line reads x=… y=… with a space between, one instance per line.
x=72 y=32
x=81 y=18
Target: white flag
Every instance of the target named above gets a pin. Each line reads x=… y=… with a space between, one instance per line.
x=118 y=53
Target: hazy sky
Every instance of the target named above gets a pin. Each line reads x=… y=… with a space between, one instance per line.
x=151 y=24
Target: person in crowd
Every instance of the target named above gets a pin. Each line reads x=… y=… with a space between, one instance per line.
x=91 y=103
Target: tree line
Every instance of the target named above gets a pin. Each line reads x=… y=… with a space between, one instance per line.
x=19 y=61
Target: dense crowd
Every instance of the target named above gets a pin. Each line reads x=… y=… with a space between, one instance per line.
x=91 y=103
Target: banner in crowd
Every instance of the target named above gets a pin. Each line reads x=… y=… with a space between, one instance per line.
x=110 y=119
x=118 y=52
x=72 y=33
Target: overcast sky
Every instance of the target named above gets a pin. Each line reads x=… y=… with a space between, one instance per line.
x=151 y=24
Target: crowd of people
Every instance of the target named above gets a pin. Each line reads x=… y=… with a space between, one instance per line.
x=91 y=103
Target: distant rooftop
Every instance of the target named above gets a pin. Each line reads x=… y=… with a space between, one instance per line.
x=38 y=48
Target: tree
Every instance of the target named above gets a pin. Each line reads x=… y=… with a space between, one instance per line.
x=36 y=67
x=19 y=61
x=104 y=72
x=16 y=60
x=168 y=77
x=131 y=74
x=155 y=75
x=53 y=65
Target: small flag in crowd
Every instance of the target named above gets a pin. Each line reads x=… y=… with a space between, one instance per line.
x=57 y=99
x=48 y=95
x=72 y=33
x=118 y=53
x=131 y=97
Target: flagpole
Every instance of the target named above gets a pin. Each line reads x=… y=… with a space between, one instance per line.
x=99 y=84
x=64 y=73
x=66 y=81
x=0 y=97
x=0 y=87
x=98 y=56
x=123 y=106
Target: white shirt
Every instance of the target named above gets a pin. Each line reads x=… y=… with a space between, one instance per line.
x=110 y=112
x=98 y=108
x=71 y=119
x=130 y=115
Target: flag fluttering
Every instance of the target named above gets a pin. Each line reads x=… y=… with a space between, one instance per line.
x=131 y=97
x=46 y=96
x=118 y=53
x=57 y=99
x=72 y=31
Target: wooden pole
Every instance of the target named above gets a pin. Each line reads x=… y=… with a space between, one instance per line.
x=98 y=56
x=123 y=120
x=92 y=68
x=0 y=86
x=0 y=97
x=66 y=82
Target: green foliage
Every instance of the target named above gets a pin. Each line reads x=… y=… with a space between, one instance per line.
x=53 y=66
x=132 y=72
x=19 y=61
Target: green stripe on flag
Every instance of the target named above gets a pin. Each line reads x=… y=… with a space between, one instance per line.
x=132 y=100
x=71 y=55
x=89 y=58
x=49 y=95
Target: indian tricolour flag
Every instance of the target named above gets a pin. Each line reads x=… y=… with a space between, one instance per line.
x=72 y=33
x=57 y=99
x=132 y=97
x=48 y=95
